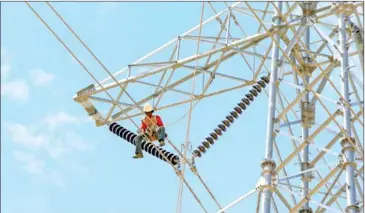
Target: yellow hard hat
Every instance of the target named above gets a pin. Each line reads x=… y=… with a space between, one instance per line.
x=147 y=108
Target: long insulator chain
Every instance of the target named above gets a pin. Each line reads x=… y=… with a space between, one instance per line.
x=146 y=146
x=209 y=141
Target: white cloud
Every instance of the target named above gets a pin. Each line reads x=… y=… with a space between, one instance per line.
x=47 y=148
x=5 y=64
x=34 y=165
x=56 y=142
x=40 y=77
x=58 y=119
x=22 y=134
x=29 y=162
x=77 y=143
x=15 y=90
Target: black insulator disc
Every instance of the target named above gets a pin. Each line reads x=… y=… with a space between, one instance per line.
x=214 y=135
x=246 y=101
x=254 y=92
x=230 y=118
x=201 y=148
x=226 y=123
x=266 y=79
x=222 y=127
x=197 y=153
x=249 y=96
x=206 y=144
x=237 y=109
x=257 y=88
x=242 y=105
x=262 y=84
x=234 y=114
x=210 y=140
x=218 y=131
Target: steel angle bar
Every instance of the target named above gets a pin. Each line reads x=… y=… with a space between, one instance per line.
x=104 y=100
x=315 y=189
x=300 y=140
x=334 y=47
x=282 y=198
x=290 y=123
x=171 y=42
x=324 y=206
x=302 y=145
x=237 y=200
x=305 y=171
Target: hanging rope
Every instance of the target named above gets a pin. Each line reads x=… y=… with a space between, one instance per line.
x=210 y=140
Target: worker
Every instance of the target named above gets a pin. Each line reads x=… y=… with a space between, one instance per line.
x=152 y=129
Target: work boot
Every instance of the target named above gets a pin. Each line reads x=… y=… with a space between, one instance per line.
x=162 y=142
x=138 y=155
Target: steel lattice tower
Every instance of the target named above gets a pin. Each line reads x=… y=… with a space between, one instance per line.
x=310 y=66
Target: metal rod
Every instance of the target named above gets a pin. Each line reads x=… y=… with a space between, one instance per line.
x=268 y=165
x=228 y=25
x=347 y=142
x=237 y=200
x=178 y=48
x=305 y=130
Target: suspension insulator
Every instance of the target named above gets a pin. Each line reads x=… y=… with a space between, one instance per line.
x=146 y=146
x=201 y=148
x=197 y=153
x=266 y=79
x=218 y=131
x=206 y=144
x=262 y=84
x=222 y=127
x=226 y=123
x=257 y=88
x=237 y=109
x=214 y=135
x=242 y=105
x=249 y=96
x=230 y=118
x=254 y=92
x=210 y=140
x=234 y=114
x=246 y=101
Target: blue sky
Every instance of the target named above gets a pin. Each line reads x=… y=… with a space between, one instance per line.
x=53 y=157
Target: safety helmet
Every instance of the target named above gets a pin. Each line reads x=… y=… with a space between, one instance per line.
x=147 y=108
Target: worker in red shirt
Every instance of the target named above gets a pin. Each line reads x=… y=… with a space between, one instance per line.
x=152 y=129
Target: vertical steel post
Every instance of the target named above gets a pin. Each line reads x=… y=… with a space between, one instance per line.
x=268 y=165
x=348 y=142
x=307 y=8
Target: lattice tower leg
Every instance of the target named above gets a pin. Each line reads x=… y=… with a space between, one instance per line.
x=348 y=142
x=268 y=165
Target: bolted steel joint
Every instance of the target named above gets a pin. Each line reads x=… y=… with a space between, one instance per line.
x=305 y=210
x=348 y=142
x=307 y=176
x=352 y=207
x=307 y=114
x=268 y=165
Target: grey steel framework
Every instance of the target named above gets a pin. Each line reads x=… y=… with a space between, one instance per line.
x=313 y=54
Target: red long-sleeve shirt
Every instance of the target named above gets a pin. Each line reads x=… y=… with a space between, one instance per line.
x=159 y=123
